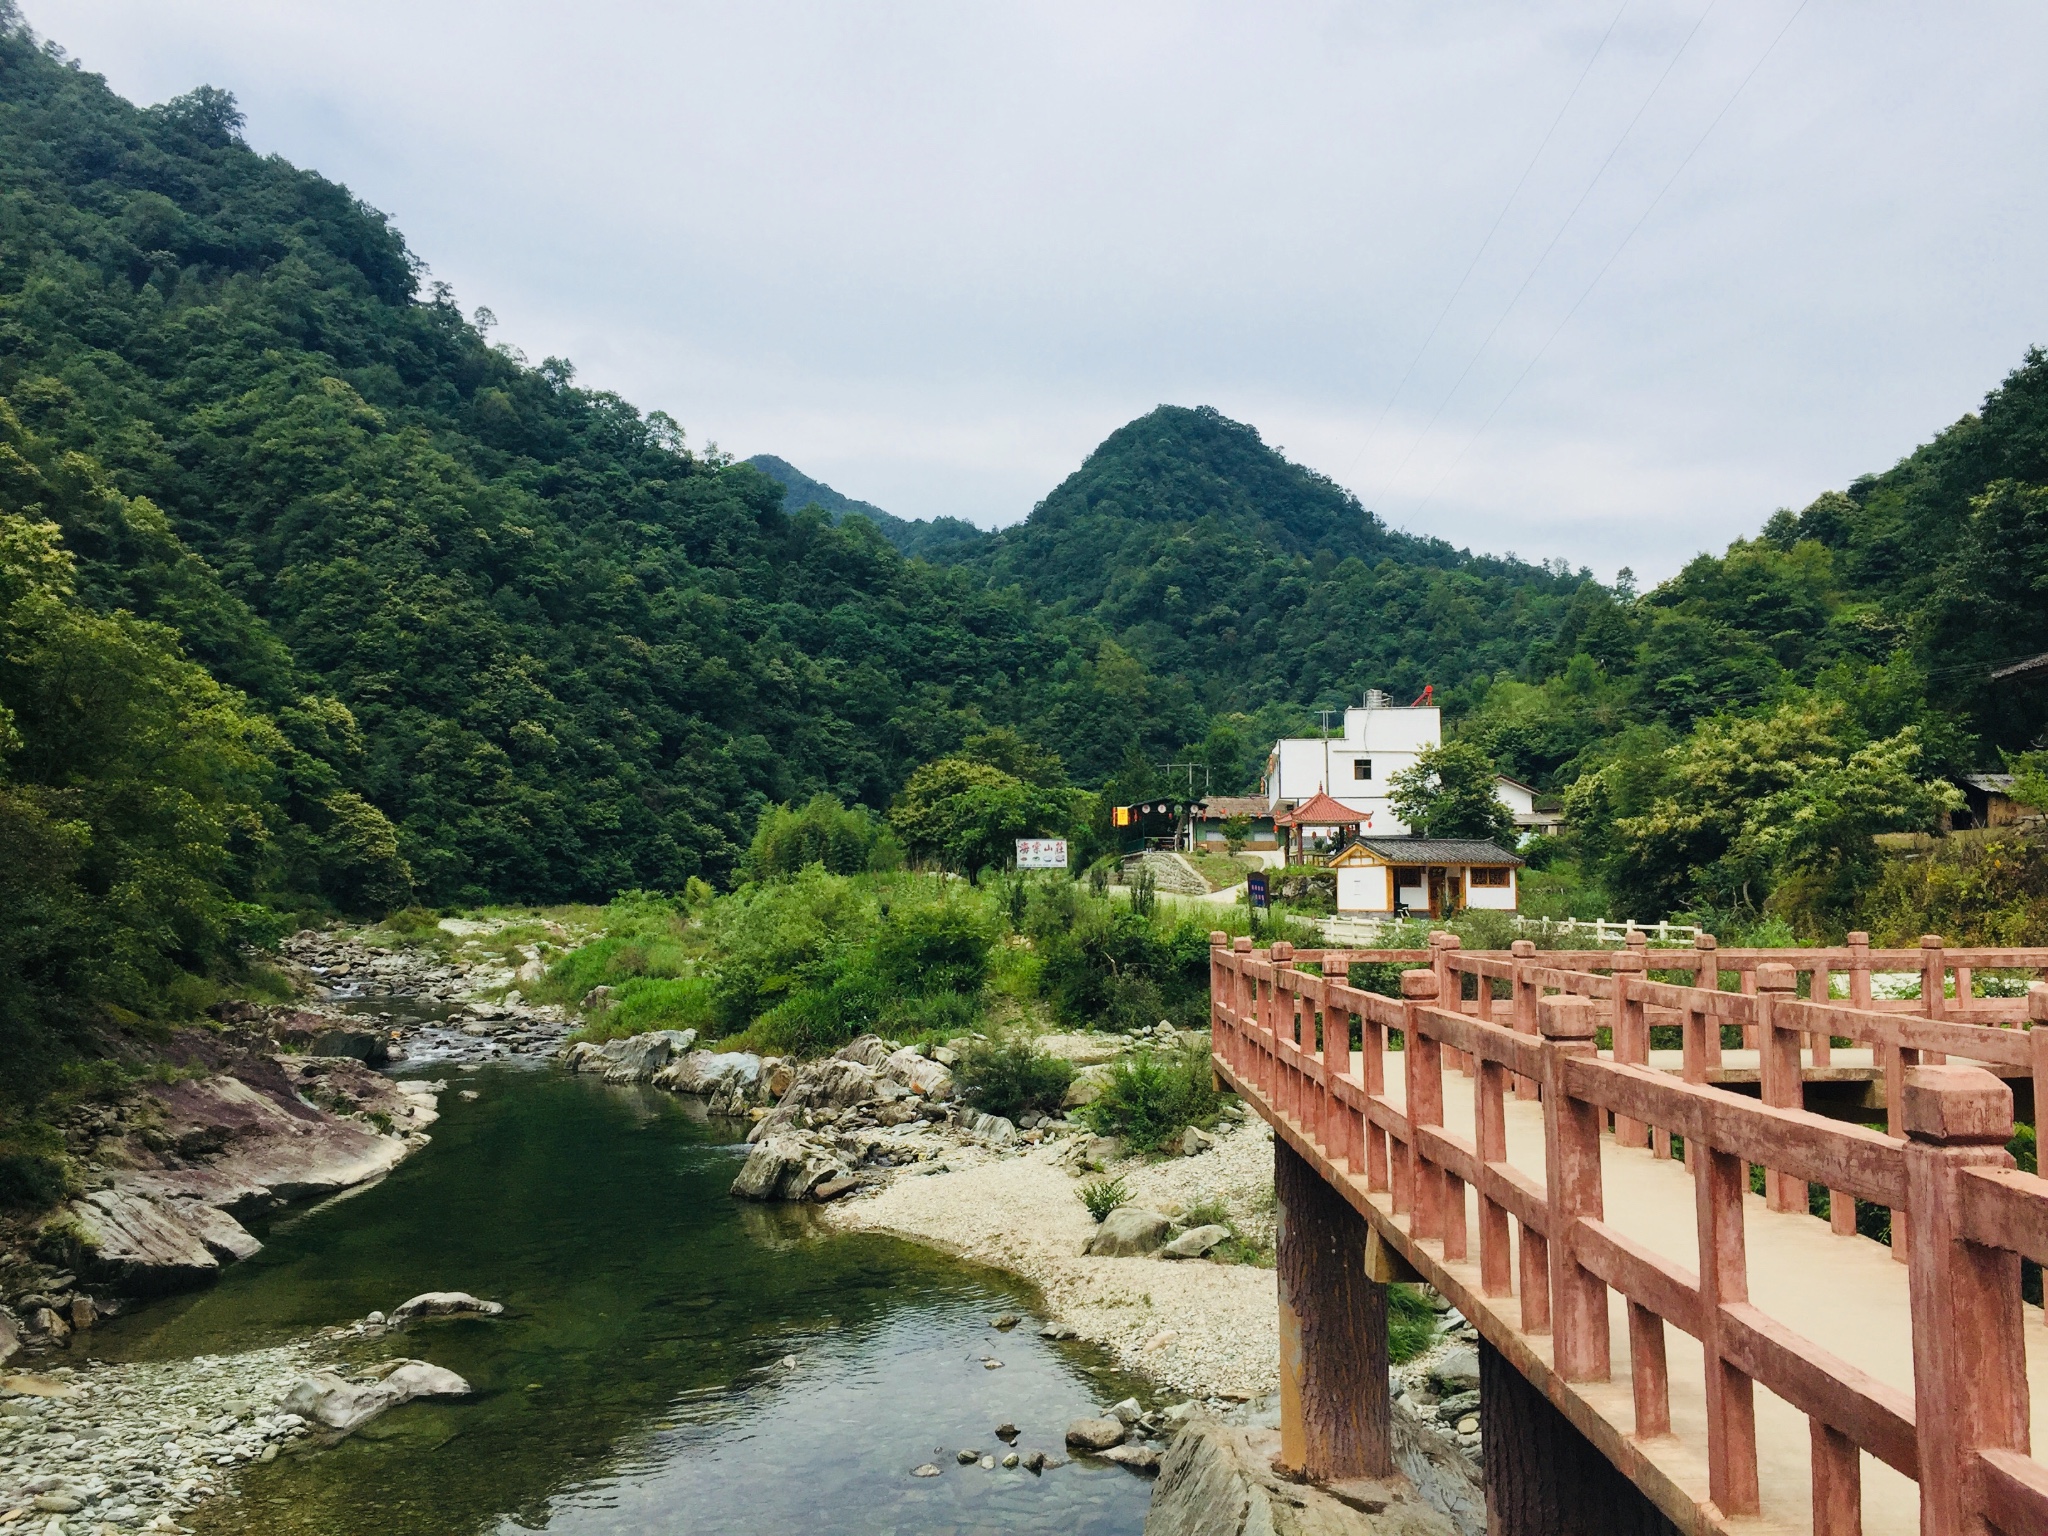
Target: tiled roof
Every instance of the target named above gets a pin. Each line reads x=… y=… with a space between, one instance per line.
x=1217 y=807
x=1438 y=850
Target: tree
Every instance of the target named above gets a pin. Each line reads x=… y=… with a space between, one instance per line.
x=1449 y=792
x=968 y=815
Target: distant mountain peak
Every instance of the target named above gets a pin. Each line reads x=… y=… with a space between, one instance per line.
x=939 y=539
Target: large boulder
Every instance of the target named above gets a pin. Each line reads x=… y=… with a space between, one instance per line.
x=1215 y=1480
x=10 y=1336
x=920 y=1074
x=1194 y=1243
x=1096 y=1434
x=834 y=1083
x=635 y=1059
x=869 y=1050
x=333 y=1400
x=789 y=1167
x=1129 y=1232
x=1457 y=1371
x=728 y=1080
x=444 y=1304
x=127 y=1238
x=996 y=1130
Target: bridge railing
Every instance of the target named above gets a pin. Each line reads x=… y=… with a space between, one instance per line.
x=1964 y=1216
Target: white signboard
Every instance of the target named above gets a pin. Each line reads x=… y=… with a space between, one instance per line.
x=1041 y=853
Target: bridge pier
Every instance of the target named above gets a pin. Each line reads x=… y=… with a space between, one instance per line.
x=1545 y=1478
x=1335 y=1409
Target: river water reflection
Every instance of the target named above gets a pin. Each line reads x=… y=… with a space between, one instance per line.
x=671 y=1360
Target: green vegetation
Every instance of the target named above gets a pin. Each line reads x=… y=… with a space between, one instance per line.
x=1411 y=1323
x=1102 y=1196
x=1008 y=1077
x=1449 y=793
x=1149 y=1098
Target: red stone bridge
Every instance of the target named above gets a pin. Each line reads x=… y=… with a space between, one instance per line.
x=1662 y=1347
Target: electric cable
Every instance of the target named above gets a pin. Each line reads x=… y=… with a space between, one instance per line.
x=1473 y=265
x=1625 y=239
x=1545 y=256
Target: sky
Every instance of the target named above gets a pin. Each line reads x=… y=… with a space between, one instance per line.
x=1601 y=282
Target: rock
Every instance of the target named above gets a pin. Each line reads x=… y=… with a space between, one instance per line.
x=1217 y=1479
x=988 y=1463
x=1139 y=1458
x=1128 y=1232
x=1457 y=1371
x=991 y=1364
x=1194 y=1242
x=1127 y=1412
x=1006 y=1322
x=789 y=1167
x=226 y=1238
x=10 y=1336
x=1095 y=1434
x=1059 y=1331
x=1007 y=1433
x=1035 y=1462
x=1102 y=1149
x=968 y=1458
x=328 y=1398
x=636 y=1059
x=832 y=1189
x=125 y=1237
x=83 y=1312
x=780 y=1078
x=443 y=1304
x=1085 y=1089
x=1012 y=1459
x=927 y=1470
x=596 y=997
x=1457 y=1407
x=919 y=1073
x=727 y=1077
x=58 y=1503
x=869 y=1050
x=1193 y=1140
x=1468 y=1425
x=946 y=1057
x=993 y=1129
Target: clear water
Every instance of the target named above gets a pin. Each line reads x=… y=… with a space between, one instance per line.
x=637 y=1382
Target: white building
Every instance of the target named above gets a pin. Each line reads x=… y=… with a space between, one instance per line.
x=1357 y=768
x=1378 y=876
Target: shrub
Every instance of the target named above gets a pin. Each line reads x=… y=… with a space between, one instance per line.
x=1148 y=1100
x=31 y=1181
x=1008 y=1077
x=824 y=831
x=1102 y=1196
x=1411 y=1323
x=941 y=947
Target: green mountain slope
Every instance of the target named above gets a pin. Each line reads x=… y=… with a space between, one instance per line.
x=577 y=656
x=940 y=540
x=1214 y=558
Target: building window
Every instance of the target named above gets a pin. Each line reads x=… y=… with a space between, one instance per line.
x=1490 y=877
x=1361 y=767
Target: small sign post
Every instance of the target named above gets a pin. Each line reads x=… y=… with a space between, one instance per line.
x=1255 y=888
x=1041 y=853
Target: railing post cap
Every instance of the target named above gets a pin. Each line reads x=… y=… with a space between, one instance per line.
x=1218 y=938
x=2037 y=1000
x=1282 y=950
x=1930 y=941
x=1957 y=1106
x=1567 y=1018
x=1522 y=949
x=1628 y=960
x=1418 y=985
x=1636 y=938
x=1859 y=940
x=1705 y=941
x=1241 y=945
x=1776 y=976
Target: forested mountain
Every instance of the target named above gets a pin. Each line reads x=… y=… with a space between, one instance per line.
x=939 y=539
x=1213 y=558
x=569 y=654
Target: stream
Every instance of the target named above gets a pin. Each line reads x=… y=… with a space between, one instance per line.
x=671 y=1359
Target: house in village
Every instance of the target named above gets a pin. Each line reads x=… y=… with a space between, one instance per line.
x=1210 y=815
x=1329 y=799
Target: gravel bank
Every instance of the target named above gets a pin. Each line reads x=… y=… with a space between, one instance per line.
x=132 y=1447
x=1204 y=1329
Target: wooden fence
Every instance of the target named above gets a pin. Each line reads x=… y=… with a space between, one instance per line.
x=1963 y=1215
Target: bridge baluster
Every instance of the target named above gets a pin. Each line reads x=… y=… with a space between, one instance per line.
x=1720 y=1180
x=1423 y=1058
x=1631 y=1034
x=1781 y=1080
x=1571 y=1133
x=1969 y=1353
x=1496 y=1260
x=1524 y=995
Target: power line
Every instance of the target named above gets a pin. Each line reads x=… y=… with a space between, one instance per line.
x=1545 y=256
x=1473 y=266
x=1611 y=260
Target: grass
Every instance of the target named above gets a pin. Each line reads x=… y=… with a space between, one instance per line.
x=1239 y=1247
x=1411 y=1323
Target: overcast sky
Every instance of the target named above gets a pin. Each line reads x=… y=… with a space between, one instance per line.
x=1728 y=255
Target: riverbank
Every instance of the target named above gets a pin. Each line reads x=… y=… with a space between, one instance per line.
x=1203 y=1329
